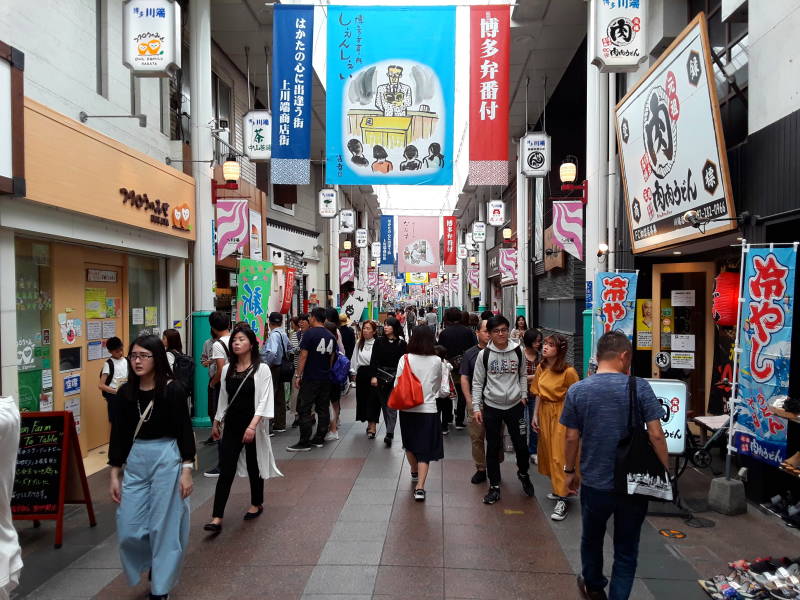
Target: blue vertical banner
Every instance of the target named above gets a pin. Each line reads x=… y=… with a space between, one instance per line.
x=387 y=240
x=765 y=339
x=292 y=77
x=390 y=95
x=614 y=304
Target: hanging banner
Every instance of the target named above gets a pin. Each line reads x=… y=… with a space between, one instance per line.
x=387 y=240
x=232 y=222
x=328 y=203
x=257 y=133
x=415 y=278
x=252 y=294
x=389 y=96
x=361 y=238
x=534 y=151
x=672 y=149
x=617 y=39
x=151 y=37
x=256 y=245
x=455 y=282
x=288 y=291
x=614 y=303
x=417 y=244
x=568 y=226
x=765 y=339
x=496 y=214
x=489 y=94
x=347 y=269
x=473 y=277
x=508 y=265
x=292 y=77
x=375 y=250
x=347 y=220
x=450 y=246
x=354 y=306
x=478 y=233
x=372 y=279
x=462 y=252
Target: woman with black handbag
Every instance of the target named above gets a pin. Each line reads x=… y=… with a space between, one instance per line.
x=368 y=406
x=386 y=354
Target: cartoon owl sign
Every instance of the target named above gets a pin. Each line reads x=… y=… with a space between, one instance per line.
x=152 y=37
x=181 y=217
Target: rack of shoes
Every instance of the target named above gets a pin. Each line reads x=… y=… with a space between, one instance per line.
x=762 y=578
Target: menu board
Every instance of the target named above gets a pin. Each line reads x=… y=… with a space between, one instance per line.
x=39 y=464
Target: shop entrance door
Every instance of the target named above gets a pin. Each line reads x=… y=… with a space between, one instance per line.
x=683 y=332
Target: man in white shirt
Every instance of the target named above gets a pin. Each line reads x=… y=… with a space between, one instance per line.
x=393 y=98
x=220 y=354
x=114 y=373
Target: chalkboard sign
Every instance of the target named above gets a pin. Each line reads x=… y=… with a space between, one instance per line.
x=49 y=471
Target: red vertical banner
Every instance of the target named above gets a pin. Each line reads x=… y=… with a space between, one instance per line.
x=450 y=245
x=489 y=94
x=288 y=290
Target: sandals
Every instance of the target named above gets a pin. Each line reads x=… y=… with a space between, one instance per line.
x=370 y=434
x=213 y=527
x=419 y=495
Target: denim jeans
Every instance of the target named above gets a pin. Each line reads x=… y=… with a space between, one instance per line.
x=629 y=513
x=533 y=437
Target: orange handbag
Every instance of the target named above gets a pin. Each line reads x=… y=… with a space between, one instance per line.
x=408 y=391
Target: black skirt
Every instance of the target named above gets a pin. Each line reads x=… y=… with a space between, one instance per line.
x=368 y=404
x=422 y=435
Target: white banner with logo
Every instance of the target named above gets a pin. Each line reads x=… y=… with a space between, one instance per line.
x=257 y=130
x=495 y=213
x=151 y=34
x=617 y=34
x=534 y=149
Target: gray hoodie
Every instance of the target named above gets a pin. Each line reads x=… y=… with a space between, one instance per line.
x=505 y=385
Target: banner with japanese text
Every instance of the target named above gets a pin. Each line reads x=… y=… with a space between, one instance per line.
x=390 y=95
x=765 y=338
x=489 y=94
x=232 y=226
x=252 y=295
x=347 y=269
x=292 y=77
x=614 y=304
x=288 y=290
x=450 y=245
x=387 y=240
x=568 y=226
x=417 y=244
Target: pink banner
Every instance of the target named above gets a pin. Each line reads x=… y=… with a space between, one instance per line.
x=347 y=269
x=568 y=226
x=232 y=222
x=473 y=276
x=507 y=261
x=417 y=244
x=372 y=279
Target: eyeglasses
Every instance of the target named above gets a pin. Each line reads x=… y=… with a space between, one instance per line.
x=500 y=330
x=140 y=356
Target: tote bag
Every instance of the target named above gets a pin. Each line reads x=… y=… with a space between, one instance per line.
x=407 y=393
x=638 y=470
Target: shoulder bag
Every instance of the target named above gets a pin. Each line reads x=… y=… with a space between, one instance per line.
x=408 y=391
x=235 y=394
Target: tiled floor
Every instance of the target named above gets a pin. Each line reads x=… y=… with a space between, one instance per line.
x=342 y=524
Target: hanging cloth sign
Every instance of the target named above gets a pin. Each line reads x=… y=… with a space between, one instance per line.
x=257 y=132
x=232 y=225
x=450 y=246
x=614 y=304
x=568 y=226
x=534 y=150
x=372 y=279
x=496 y=214
x=347 y=220
x=387 y=240
x=507 y=261
x=617 y=38
x=347 y=269
x=489 y=95
x=328 y=203
x=152 y=37
x=252 y=293
x=292 y=74
x=288 y=290
x=417 y=244
x=361 y=238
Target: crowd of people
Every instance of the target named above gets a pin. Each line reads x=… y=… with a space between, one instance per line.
x=512 y=388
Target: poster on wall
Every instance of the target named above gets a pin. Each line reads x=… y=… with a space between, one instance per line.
x=672 y=149
x=252 y=293
x=256 y=240
x=417 y=244
x=151 y=37
x=765 y=338
x=614 y=304
x=232 y=224
x=95 y=303
x=389 y=96
x=644 y=324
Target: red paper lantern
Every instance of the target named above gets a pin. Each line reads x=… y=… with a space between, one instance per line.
x=726 y=297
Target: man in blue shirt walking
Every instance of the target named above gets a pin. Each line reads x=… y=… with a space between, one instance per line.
x=273 y=353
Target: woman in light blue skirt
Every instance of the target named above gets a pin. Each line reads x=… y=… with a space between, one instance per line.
x=151 y=436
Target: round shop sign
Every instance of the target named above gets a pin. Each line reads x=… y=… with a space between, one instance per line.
x=662 y=360
x=621 y=31
x=660 y=132
x=536 y=160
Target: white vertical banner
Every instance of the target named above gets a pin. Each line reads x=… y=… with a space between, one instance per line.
x=617 y=39
x=151 y=37
x=256 y=239
x=534 y=149
x=496 y=216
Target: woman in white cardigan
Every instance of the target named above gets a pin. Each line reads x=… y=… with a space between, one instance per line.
x=246 y=404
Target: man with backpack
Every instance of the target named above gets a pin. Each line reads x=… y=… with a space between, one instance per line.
x=457 y=338
x=114 y=373
x=499 y=394
x=276 y=354
x=220 y=354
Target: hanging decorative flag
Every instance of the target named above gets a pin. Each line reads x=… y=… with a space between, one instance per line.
x=288 y=290
x=615 y=304
x=417 y=244
x=450 y=246
x=507 y=262
x=292 y=74
x=489 y=94
x=387 y=240
x=473 y=277
x=252 y=296
x=347 y=269
x=455 y=281
x=765 y=339
x=389 y=96
x=496 y=214
x=568 y=226
x=232 y=225
x=372 y=279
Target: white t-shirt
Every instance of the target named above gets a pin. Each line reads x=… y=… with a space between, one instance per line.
x=428 y=370
x=120 y=372
x=170 y=358
x=10 y=554
x=217 y=351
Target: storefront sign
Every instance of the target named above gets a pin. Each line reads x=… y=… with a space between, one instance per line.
x=507 y=261
x=682 y=360
x=256 y=239
x=151 y=38
x=672 y=149
x=354 y=306
x=347 y=220
x=417 y=244
x=387 y=240
x=617 y=34
x=615 y=303
x=462 y=252
x=375 y=250
x=252 y=294
x=101 y=275
x=72 y=385
x=232 y=219
x=328 y=203
x=362 y=238
x=478 y=233
x=347 y=269
x=159 y=211
x=682 y=297
x=672 y=395
x=288 y=291
x=568 y=226
x=496 y=213
x=257 y=132
x=489 y=94
x=534 y=151
x=449 y=255
x=765 y=340
x=493 y=262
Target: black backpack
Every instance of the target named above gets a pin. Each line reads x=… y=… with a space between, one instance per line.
x=110 y=377
x=518 y=350
x=183 y=369
x=287 y=362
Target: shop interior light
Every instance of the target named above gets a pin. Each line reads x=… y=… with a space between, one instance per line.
x=568 y=172
x=231 y=170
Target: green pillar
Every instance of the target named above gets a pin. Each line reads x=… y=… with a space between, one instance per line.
x=521 y=311
x=481 y=308
x=587 y=339
x=200 y=333
x=365 y=313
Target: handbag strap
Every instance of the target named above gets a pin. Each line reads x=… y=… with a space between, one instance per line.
x=146 y=414
x=633 y=410
x=236 y=393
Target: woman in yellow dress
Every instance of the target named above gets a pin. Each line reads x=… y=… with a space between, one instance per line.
x=550 y=384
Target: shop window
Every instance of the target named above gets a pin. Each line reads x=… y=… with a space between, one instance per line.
x=284 y=195
x=144 y=293
x=34 y=301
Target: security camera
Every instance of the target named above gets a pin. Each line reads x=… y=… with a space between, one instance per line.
x=692 y=217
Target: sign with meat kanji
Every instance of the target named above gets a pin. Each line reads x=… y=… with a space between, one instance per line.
x=614 y=304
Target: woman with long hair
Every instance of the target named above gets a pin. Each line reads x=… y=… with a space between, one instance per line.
x=420 y=425
x=550 y=384
x=368 y=406
x=171 y=339
x=532 y=345
x=246 y=404
x=520 y=327
x=151 y=435
x=386 y=354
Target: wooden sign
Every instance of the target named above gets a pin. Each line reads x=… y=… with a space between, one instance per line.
x=554 y=257
x=49 y=471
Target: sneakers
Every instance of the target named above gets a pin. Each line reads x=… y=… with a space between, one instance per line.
x=414 y=477
x=588 y=594
x=527 y=485
x=419 y=495
x=459 y=426
x=556 y=497
x=479 y=477
x=298 y=447
x=318 y=443
x=211 y=473
x=278 y=429
x=493 y=495
x=332 y=436
x=560 y=511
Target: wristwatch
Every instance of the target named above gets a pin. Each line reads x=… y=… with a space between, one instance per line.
x=569 y=471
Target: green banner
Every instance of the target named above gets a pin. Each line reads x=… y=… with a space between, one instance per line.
x=252 y=297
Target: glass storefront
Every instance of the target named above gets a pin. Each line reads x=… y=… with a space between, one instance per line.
x=144 y=296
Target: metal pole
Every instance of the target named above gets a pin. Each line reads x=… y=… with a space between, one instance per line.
x=482 y=280
x=612 y=171
x=736 y=351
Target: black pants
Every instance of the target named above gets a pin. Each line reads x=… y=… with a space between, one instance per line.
x=279 y=422
x=235 y=426
x=514 y=418
x=445 y=408
x=314 y=395
x=368 y=405
x=461 y=405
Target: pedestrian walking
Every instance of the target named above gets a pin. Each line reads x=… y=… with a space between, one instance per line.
x=275 y=355
x=595 y=417
x=220 y=353
x=386 y=354
x=520 y=327
x=151 y=436
x=420 y=425
x=550 y=384
x=532 y=344
x=114 y=373
x=457 y=338
x=347 y=334
x=499 y=394
x=332 y=320
x=294 y=348
x=368 y=405
x=246 y=405
x=313 y=380
x=432 y=319
x=447 y=391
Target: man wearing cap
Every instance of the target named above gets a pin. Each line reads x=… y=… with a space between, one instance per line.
x=273 y=353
